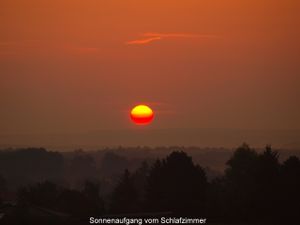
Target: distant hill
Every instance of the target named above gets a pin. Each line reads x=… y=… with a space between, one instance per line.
x=228 y=138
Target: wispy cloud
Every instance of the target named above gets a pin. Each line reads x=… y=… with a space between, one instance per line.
x=143 y=41
x=151 y=37
x=179 y=35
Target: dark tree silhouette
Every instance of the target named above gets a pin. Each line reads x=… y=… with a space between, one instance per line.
x=31 y=165
x=290 y=189
x=242 y=165
x=2 y=187
x=42 y=194
x=74 y=203
x=253 y=184
x=140 y=178
x=124 y=197
x=176 y=184
x=113 y=164
x=2 y=183
x=82 y=167
x=267 y=184
x=241 y=182
x=91 y=191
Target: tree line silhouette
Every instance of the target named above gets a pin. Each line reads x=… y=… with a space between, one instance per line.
x=255 y=188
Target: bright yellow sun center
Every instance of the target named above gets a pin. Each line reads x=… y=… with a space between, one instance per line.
x=141 y=110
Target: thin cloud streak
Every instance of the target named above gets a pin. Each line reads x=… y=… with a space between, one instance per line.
x=143 y=41
x=151 y=37
x=179 y=35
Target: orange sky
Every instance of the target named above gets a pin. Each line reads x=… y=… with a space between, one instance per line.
x=76 y=66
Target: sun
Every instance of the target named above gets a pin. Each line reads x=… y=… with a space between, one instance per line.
x=142 y=114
